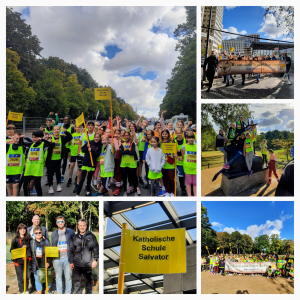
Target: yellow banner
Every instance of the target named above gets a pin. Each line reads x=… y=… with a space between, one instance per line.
x=15 y=116
x=80 y=120
x=219 y=46
x=51 y=251
x=153 y=252
x=206 y=247
x=103 y=93
x=231 y=49
x=168 y=147
x=18 y=253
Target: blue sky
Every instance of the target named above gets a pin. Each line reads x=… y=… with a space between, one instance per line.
x=152 y=214
x=270 y=117
x=130 y=48
x=250 y=19
x=252 y=217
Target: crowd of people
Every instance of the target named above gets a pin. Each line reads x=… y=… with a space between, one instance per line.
x=78 y=255
x=243 y=137
x=102 y=158
x=215 y=264
x=212 y=62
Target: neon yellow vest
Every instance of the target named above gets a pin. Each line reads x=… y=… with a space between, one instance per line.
x=190 y=159
x=62 y=132
x=128 y=160
x=15 y=161
x=75 y=142
x=84 y=141
x=249 y=145
x=142 y=140
x=56 y=153
x=35 y=161
x=180 y=158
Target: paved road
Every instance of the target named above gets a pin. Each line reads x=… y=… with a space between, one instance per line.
x=68 y=191
x=270 y=87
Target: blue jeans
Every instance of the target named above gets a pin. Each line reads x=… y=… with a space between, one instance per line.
x=258 y=76
x=287 y=76
x=62 y=265
x=39 y=286
x=228 y=77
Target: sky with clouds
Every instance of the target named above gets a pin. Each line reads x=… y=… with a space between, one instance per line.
x=270 y=117
x=254 y=218
x=131 y=49
x=250 y=19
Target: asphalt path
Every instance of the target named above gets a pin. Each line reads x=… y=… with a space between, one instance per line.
x=68 y=191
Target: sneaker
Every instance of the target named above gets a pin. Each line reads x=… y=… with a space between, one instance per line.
x=58 y=189
x=125 y=194
x=62 y=178
x=76 y=188
x=88 y=194
x=283 y=79
x=141 y=182
x=183 y=193
x=33 y=193
x=69 y=182
x=138 y=191
x=171 y=195
x=135 y=195
x=116 y=192
x=290 y=82
x=168 y=195
x=128 y=190
x=97 y=194
x=51 y=190
x=47 y=182
x=226 y=166
x=162 y=193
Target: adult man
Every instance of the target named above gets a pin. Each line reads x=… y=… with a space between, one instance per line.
x=35 y=224
x=66 y=150
x=62 y=238
x=288 y=64
x=275 y=256
x=212 y=65
x=243 y=75
x=83 y=256
x=229 y=76
x=240 y=125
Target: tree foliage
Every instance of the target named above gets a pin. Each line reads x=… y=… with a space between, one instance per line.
x=181 y=87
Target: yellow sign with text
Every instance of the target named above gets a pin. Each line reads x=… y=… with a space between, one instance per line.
x=103 y=93
x=153 y=252
x=80 y=120
x=168 y=148
x=51 y=251
x=18 y=253
x=15 y=116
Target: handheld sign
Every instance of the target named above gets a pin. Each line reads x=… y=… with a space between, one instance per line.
x=103 y=93
x=80 y=120
x=207 y=249
x=168 y=148
x=51 y=251
x=14 y=116
x=20 y=253
x=219 y=46
x=153 y=252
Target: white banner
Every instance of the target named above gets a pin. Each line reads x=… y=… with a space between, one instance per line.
x=248 y=267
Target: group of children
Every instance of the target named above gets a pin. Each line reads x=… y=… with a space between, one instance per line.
x=215 y=264
x=102 y=158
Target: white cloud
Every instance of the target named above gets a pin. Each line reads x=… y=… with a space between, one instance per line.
x=270 y=122
x=289 y=125
x=269 y=27
x=285 y=217
x=217 y=224
x=230 y=7
x=80 y=34
x=229 y=229
x=227 y=36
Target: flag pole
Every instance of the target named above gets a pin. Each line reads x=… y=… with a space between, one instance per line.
x=121 y=274
x=175 y=169
x=25 y=272
x=112 y=126
x=46 y=272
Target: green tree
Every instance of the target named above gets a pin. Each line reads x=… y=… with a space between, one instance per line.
x=262 y=243
x=19 y=38
x=208 y=137
x=288 y=246
x=181 y=87
x=275 y=243
x=208 y=235
x=224 y=240
x=247 y=243
x=223 y=114
x=18 y=95
x=236 y=241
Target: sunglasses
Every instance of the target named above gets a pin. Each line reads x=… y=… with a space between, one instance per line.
x=59 y=222
x=37 y=233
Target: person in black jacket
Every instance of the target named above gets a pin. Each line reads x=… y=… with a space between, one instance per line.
x=212 y=64
x=87 y=168
x=22 y=239
x=83 y=256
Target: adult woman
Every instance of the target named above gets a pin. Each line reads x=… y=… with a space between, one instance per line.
x=37 y=247
x=22 y=240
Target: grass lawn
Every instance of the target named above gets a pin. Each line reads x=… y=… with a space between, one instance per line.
x=212 y=159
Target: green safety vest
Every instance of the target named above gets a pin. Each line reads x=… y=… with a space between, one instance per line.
x=190 y=159
x=142 y=140
x=239 y=125
x=249 y=145
x=35 y=161
x=50 y=132
x=84 y=141
x=15 y=161
x=180 y=158
x=211 y=261
x=56 y=153
x=216 y=263
x=264 y=149
x=232 y=134
x=75 y=143
x=128 y=160
x=203 y=261
x=62 y=132
x=278 y=272
x=167 y=166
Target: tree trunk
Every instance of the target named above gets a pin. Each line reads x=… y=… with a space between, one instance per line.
x=46 y=218
x=81 y=213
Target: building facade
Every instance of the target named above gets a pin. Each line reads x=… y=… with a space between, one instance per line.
x=215 y=37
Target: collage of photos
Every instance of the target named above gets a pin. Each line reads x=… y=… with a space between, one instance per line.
x=101 y=101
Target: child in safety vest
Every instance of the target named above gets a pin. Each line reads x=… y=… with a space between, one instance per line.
x=222 y=265
x=216 y=265
x=117 y=171
x=10 y=131
x=15 y=162
x=180 y=173
x=189 y=153
x=272 y=166
x=203 y=263
x=264 y=152
x=155 y=160
x=150 y=134
x=211 y=264
x=269 y=272
x=291 y=273
x=248 y=151
x=277 y=273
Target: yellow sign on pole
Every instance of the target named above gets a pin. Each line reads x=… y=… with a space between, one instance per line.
x=169 y=148
x=207 y=249
x=231 y=49
x=103 y=93
x=18 y=253
x=153 y=252
x=13 y=116
x=80 y=120
x=219 y=46
x=51 y=251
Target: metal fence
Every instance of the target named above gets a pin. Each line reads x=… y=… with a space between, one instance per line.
x=29 y=124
